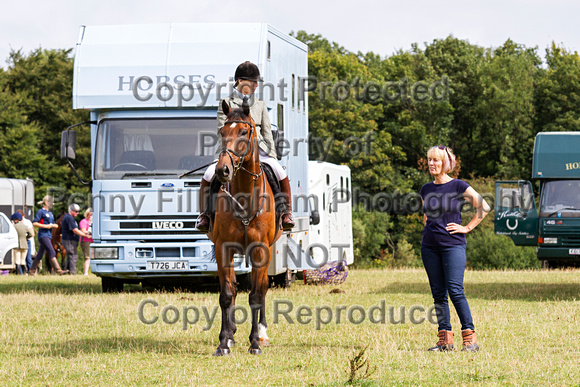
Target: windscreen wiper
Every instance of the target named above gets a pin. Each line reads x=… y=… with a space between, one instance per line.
x=564 y=209
x=197 y=169
x=146 y=174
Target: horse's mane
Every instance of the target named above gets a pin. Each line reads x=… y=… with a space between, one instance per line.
x=237 y=114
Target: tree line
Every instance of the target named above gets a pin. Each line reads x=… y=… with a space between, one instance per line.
x=487 y=104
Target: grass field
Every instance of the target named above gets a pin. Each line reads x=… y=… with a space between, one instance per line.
x=64 y=331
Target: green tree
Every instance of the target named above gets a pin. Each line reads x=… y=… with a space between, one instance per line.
x=505 y=131
x=41 y=82
x=18 y=140
x=557 y=97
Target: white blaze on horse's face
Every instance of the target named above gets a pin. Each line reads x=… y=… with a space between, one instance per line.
x=233 y=125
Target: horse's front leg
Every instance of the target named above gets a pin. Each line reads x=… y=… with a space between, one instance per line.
x=227 y=303
x=257 y=299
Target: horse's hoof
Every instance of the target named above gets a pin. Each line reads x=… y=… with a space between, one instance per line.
x=222 y=352
x=231 y=343
x=264 y=342
x=255 y=351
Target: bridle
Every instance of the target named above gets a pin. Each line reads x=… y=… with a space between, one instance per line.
x=255 y=176
x=231 y=152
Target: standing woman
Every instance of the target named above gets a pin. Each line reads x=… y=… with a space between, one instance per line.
x=86 y=226
x=443 y=245
x=44 y=221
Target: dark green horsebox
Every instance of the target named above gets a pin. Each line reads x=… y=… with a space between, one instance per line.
x=554 y=227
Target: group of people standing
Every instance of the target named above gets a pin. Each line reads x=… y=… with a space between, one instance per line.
x=44 y=221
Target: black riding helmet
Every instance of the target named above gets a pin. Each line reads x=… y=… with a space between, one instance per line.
x=247 y=70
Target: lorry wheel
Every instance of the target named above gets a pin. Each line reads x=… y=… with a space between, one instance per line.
x=244 y=282
x=111 y=285
x=284 y=280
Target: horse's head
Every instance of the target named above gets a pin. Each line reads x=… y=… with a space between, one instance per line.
x=238 y=138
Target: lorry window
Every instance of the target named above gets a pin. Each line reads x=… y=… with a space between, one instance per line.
x=152 y=147
x=561 y=195
x=4 y=226
x=279 y=134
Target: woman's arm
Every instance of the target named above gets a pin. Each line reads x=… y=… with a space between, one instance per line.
x=40 y=225
x=482 y=209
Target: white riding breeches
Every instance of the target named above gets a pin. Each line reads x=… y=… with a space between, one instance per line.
x=279 y=171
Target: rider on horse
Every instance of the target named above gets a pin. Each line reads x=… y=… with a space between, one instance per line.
x=246 y=78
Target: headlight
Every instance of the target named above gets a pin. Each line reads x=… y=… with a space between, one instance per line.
x=550 y=240
x=105 y=253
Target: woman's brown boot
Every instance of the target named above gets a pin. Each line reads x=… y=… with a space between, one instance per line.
x=445 y=342
x=469 y=341
x=287 y=219
x=203 y=222
x=56 y=267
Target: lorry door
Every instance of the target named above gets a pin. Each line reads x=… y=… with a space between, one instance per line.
x=515 y=212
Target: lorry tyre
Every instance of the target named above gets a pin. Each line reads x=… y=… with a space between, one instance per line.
x=284 y=280
x=244 y=282
x=545 y=264
x=111 y=285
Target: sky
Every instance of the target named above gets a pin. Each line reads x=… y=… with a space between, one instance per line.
x=383 y=27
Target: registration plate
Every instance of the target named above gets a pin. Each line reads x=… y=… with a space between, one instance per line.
x=167 y=265
x=574 y=251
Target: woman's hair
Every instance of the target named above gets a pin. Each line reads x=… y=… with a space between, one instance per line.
x=88 y=211
x=46 y=199
x=444 y=154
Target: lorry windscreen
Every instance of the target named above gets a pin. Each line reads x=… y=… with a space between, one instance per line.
x=153 y=147
x=560 y=196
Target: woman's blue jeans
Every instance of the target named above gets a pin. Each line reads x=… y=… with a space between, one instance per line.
x=445 y=266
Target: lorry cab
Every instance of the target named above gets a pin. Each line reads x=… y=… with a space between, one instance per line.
x=554 y=227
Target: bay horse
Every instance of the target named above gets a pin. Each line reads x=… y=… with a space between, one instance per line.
x=56 y=242
x=245 y=222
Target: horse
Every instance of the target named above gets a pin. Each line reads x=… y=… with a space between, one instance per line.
x=245 y=222
x=56 y=242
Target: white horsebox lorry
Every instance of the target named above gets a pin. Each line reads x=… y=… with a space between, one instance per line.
x=153 y=92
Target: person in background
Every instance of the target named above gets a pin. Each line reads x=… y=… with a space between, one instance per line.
x=443 y=245
x=29 y=241
x=44 y=221
x=86 y=225
x=20 y=252
x=70 y=237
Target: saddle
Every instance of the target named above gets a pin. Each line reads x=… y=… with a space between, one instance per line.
x=272 y=180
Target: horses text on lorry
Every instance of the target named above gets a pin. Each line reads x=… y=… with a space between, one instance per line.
x=555 y=230
x=153 y=93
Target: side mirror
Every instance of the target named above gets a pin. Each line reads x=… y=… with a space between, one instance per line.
x=314 y=217
x=68 y=144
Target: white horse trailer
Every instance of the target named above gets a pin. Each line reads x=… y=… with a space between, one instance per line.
x=330 y=186
x=15 y=194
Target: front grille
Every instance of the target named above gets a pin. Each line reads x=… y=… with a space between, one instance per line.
x=152 y=225
x=566 y=240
